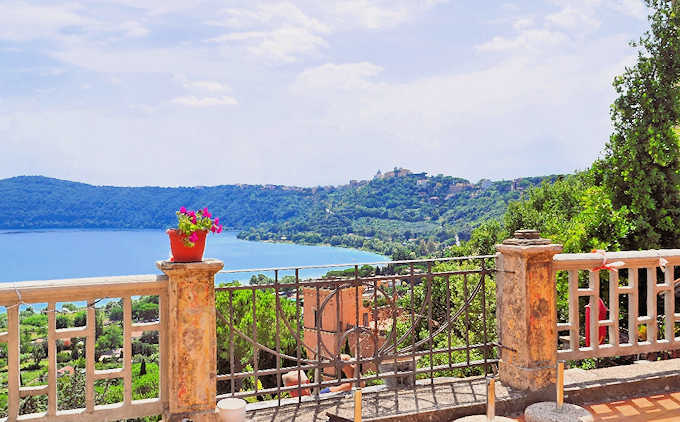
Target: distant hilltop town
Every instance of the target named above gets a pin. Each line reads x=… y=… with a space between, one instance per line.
x=515 y=186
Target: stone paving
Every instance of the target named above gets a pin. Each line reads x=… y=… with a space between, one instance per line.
x=659 y=408
x=449 y=399
x=457 y=396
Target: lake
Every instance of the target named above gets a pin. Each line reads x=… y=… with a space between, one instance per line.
x=55 y=254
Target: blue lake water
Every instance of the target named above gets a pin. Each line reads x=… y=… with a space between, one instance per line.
x=56 y=254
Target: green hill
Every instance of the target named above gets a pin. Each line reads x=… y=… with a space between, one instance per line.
x=396 y=209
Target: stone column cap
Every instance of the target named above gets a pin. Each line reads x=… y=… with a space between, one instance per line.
x=208 y=265
x=528 y=241
x=526 y=237
x=551 y=248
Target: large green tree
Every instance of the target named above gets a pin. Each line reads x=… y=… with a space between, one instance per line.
x=266 y=321
x=641 y=165
x=572 y=212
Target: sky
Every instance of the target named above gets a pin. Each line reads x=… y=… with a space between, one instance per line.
x=307 y=92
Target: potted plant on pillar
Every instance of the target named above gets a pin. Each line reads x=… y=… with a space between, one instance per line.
x=187 y=241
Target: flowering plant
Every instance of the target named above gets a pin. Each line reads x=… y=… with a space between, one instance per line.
x=190 y=222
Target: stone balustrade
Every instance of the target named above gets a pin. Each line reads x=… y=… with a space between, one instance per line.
x=528 y=325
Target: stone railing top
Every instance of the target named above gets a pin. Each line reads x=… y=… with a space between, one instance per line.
x=75 y=289
x=647 y=258
x=208 y=264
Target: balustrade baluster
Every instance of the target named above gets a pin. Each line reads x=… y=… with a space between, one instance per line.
x=51 y=359
x=127 y=350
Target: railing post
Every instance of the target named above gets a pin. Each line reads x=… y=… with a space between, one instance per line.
x=526 y=313
x=192 y=341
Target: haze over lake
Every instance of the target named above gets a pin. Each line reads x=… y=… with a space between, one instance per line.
x=55 y=254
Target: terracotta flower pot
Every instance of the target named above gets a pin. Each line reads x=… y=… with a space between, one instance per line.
x=182 y=253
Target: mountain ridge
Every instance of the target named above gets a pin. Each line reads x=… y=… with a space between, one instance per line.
x=395 y=208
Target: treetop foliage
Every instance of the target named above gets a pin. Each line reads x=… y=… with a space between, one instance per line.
x=640 y=169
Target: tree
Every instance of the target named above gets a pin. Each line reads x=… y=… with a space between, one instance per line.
x=74 y=350
x=144 y=311
x=71 y=391
x=38 y=353
x=112 y=338
x=266 y=321
x=69 y=306
x=62 y=321
x=450 y=301
x=80 y=318
x=641 y=166
x=115 y=311
x=482 y=240
x=572 y=212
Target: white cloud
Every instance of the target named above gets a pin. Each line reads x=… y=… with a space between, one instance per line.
x=522 y=23
x=142 y=108
x=193 y=101
x=575 y=18
x=280 y=45
x=372 y=14
x=272 y=15
x=62 y=22
x=133 y=29
x=633 y=8
x=377 y=14
x=157 y=7
x=336 y=77
x=212 y=86
x=21 y=21
x=551 y=107
x=349 y=92
x=282 y=32
x=530 y=40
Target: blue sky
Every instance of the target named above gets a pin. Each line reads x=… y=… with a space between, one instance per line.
x=191 y=92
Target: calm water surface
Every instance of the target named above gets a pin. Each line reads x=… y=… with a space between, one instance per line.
x=55 y=254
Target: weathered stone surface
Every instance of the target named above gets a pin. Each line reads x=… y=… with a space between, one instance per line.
x=548 y=412
x=526 y=238
x=482 y=418
x=192 y=352
x=526 y=312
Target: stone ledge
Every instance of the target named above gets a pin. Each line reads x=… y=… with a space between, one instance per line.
x=208 y=264
x=621 y=382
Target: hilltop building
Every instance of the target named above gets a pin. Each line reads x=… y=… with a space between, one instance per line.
x=340 y=314
x=397 y=172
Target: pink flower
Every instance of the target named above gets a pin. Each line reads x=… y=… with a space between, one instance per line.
x=193 y=238
x=217 y=221
x=206 y=213
x=183 y=210
x=193 y=219
x=219 y=229
x=213 y=229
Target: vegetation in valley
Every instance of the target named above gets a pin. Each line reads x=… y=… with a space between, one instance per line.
x=398 y=214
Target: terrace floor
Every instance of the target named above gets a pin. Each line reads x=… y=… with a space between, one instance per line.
x=659 y=408
x=657 y=384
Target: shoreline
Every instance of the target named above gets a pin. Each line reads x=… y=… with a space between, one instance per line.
x=290 y=242
x=10 y=231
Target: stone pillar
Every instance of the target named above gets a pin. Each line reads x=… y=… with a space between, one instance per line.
x=527 y=313
x=191 y=345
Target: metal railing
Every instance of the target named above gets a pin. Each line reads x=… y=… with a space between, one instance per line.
x=16 y=297
x=385 y=322
x=613 y=288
